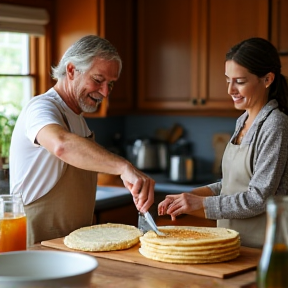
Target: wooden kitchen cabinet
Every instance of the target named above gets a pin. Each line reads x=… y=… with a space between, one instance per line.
x=181 y=52
x=110 y=19
x=279 y=35
x=167 y=54
x=119 y=30
x=173 y=52
x=73 y=21
x=228 y=24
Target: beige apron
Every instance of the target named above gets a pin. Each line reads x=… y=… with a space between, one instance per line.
x=69 y=205
x=235 y=180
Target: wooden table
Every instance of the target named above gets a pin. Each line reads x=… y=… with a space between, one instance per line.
x=112 y=273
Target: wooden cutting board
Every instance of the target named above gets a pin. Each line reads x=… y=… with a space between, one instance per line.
x=247 y=260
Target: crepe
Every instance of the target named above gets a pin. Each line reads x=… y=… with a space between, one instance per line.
x=191 y=236
x=188 y=244
x=103 y=237
x=203 y=250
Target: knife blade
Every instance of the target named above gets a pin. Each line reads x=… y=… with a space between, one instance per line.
x=145 y=219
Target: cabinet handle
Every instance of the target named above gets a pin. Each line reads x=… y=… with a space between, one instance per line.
x=283 y=53
x=203 y=101
x=194 y=101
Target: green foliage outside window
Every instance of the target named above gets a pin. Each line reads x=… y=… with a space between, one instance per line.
x=15 y=84
x=7 y=124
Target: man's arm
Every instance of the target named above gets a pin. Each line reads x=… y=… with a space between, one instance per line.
x=82 y=153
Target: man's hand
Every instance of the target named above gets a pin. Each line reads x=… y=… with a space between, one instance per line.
x=141 y=187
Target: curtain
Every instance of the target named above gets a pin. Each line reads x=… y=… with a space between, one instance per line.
x=14 y=18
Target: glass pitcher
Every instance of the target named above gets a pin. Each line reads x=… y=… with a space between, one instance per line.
x=272 y=269
x=12 y=224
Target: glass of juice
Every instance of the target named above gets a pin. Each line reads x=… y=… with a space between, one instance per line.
x=12 y=224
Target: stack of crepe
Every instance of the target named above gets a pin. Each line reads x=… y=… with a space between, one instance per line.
x=188 y=244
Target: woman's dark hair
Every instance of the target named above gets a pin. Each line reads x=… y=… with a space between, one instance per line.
x=260 y=57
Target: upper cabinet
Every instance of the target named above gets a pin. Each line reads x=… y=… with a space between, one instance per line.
x=111 y=19
x=279 y=26
x=168 y=54
x=181 y=52
x=173 y=52
x=73 y=21
x=119 y=30
x=228 y=24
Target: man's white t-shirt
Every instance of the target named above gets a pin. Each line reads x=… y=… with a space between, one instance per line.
x=33 y=170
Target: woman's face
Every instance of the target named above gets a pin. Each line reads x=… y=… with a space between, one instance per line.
x=247 y=90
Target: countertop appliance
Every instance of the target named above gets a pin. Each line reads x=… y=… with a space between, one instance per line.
x=148 y=154
x=181 y=169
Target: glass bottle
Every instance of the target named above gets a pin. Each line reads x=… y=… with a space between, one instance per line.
x=12 y=224
x=272 y=271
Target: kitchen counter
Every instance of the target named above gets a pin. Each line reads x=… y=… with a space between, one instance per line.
x=116 y=273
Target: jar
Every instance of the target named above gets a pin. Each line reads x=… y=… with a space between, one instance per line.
x=12 y=224
x=273 y=265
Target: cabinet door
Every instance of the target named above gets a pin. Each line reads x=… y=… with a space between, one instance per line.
x=279 y=35
x=118 y=30
x=181 y=51
x=228 y=24
x=111 y=19
x=73 y=21
x=167 y=53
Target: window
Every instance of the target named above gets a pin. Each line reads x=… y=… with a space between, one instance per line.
x=23 y=62
x=16 y=82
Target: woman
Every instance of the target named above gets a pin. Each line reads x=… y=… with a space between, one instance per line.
x=255 y=161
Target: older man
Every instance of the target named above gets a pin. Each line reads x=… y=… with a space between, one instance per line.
x=54 y=160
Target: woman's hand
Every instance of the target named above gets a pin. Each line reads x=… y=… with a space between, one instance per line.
x=185 y=203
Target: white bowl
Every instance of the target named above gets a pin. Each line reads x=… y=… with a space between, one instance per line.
x=46 y=269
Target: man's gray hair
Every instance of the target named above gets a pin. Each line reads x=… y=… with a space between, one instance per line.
x=83 y=52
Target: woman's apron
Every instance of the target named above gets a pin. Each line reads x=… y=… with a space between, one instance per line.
x=236 y=177
x=68 y=206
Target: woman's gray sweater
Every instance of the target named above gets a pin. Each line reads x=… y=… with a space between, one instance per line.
x=268 y=137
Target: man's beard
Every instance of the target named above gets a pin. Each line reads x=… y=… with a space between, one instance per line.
x=88 y=108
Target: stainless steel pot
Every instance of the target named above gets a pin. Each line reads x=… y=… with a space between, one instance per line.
x=181 y=168
x=148 y=154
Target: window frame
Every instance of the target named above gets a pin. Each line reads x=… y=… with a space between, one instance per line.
x=41 y=50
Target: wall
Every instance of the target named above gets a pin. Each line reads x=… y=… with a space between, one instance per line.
x=198 y=130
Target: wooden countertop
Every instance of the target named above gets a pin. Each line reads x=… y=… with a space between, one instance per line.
x=113 y=273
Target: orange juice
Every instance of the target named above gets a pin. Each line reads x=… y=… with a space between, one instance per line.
x=13 y=234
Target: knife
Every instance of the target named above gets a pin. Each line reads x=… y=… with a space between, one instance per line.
x=146 y=218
